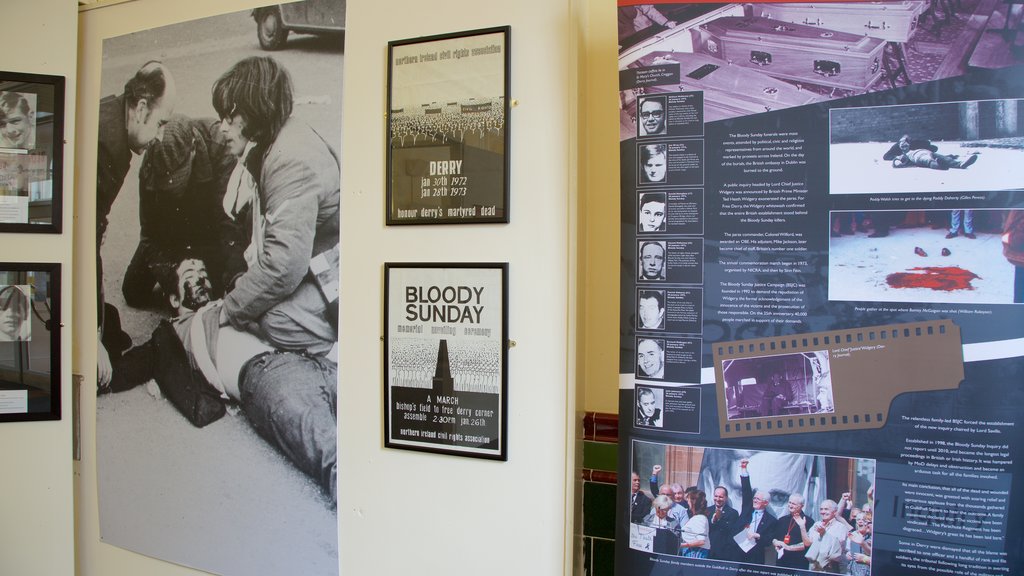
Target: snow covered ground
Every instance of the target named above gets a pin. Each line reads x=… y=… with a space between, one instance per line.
x=859 y=169
x=858 y=267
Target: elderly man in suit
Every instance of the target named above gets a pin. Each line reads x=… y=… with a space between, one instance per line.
x=755 y=519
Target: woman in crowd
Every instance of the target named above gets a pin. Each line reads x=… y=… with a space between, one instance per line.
x=858 y=547
x=696 y=542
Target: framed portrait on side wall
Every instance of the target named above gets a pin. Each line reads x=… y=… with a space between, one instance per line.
x=31 y=152
x=29 y=341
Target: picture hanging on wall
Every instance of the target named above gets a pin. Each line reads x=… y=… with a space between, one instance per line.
x=29 y=341
x=445 y=358
x=31 y=152
x=448 y=133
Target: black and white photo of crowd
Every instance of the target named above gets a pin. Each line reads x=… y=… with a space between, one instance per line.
x=218 y=195
x=475 y=366
x=795 y=511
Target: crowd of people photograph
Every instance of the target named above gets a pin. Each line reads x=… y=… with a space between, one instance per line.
x=450 y=122
x=700 y=521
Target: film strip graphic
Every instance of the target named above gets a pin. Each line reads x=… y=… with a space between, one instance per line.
x=827 y=381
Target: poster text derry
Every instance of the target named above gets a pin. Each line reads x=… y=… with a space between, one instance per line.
x=444 y=304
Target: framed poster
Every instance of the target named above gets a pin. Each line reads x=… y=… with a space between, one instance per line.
x=29 y=341
x=445 y=358
x=31 y=152
x=448 y=135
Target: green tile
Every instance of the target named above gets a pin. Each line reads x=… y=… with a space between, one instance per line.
x=600 y=455
x=587 y=546
x=599 y=510
x=602 y=557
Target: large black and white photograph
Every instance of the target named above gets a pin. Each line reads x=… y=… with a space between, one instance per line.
x=973 y=146
x=31 y=152
x=445 y=358
x=794 y=511
x=29 y=341
x=448 y=136
x=962 y=255
x=218 y=192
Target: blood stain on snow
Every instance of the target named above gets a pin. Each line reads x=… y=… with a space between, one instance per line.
x=947 y=278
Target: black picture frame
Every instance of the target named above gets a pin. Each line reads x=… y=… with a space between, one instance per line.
x=447 y=128
x=445 y=375
x=30 y=341
x=31 y=153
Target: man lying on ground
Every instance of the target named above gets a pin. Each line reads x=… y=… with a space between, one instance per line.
x=200 y=366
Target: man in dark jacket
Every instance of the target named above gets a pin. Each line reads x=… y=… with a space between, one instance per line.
x=128 y=124
x=181 y=191
x=639 y=503
x=909 y=152
x=724 y=519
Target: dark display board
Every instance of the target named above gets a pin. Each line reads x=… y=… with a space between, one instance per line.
x=823 y=318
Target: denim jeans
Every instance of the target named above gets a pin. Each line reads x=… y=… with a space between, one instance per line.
x=290 y=400
x=968 y=218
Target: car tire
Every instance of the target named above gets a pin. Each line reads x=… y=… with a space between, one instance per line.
x=270 y=30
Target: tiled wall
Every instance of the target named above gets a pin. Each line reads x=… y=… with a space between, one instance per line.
x=600 y=455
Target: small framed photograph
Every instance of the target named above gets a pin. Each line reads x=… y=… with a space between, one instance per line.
x=30 y=327
x=445 y=358
x=31 y=152
x=448 y=136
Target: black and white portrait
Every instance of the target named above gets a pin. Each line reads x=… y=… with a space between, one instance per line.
x=653 y=114
x=653 y=210
x=650 y=407
x=654 y=163
x=650 y=310
x=15 y=313
x=17 y=120
x=650 y=358
x=217 y=190
x=652 y=260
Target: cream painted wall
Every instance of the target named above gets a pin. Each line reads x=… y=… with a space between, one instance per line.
x=447 y=515
x=405 y=512
x=36 y=496
x=599 y=208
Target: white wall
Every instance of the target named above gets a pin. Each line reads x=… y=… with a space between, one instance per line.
x=36 y=530
x=402 y=512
